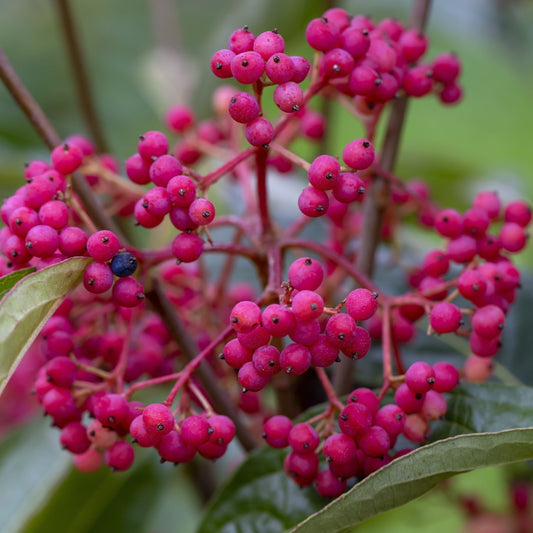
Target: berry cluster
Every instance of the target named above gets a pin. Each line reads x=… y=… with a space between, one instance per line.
x=106 y=341
x=174 y=193
x=318 y=334
x=372 y=61
x=365 y=432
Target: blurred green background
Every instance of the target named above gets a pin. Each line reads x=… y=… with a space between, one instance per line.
x=144 y=55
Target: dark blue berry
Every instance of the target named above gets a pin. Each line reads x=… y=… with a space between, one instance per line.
x=123 y=264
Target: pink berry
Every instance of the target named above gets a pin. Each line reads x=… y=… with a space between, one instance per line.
x=128 y=292
x=445 y=317
x=321 y=34
x=289 y=97
x=313 y=202
x=247 y=67
x=276 y=431
x=306 y=273
x=358 y=154
x=103 y=245
x=268 y=43
x=120 y=456
x=66 y=158
x=361 y=304
x=259 y=132
x=158 y=419
x=152 y=144
x=187 y=247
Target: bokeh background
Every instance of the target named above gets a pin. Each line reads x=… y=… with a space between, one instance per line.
x=143 y=56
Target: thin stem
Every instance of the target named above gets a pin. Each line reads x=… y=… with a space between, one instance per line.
x=328 y=388
x=291 y=156
x=120 y=368
x=81 y=76
x=151 y=383
x=212 y=177
x=262 y=194
x=387 y=343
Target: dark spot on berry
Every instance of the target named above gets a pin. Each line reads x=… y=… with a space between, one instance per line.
x=233 y=100
x=160 y=427
x=344 y=417
x=206 y=213
x=275 y=320
x=105 y=239
x=365 y=144
x=244 y=62
x=218 y=65
x=276 y=59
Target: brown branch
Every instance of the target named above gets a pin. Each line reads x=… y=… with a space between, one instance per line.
x=81 y=76
x=27 y=104
x=378 y=197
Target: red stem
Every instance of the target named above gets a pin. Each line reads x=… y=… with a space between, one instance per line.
x=328 y=388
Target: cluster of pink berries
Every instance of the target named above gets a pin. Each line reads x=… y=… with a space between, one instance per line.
x=249 y=59
x=372 y=62
x=366 y=434
x=104 y=439
x=41 y=227
x=318 y=334
x=174 y=194
x=38 y=221
x=98 y=349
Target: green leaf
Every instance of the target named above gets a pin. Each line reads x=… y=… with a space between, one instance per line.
x=259 y=498
x=31 y=466
x=414 y=474
x=7 y=282
x=485 y=407
x=28 y=305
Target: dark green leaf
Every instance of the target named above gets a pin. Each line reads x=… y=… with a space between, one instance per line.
x=28 y=305
x=259 y=498
x=414 y=474
x=7 y=282
x=484 y=407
